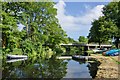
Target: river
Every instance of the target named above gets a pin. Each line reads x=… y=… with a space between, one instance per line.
x=52 y=68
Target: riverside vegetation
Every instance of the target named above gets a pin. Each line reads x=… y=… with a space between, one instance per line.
x=42 y=28
x=42 y=35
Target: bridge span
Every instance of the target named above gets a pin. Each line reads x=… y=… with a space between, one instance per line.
x=87 y=46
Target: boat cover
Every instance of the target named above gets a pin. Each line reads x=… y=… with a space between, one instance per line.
x=113 y=52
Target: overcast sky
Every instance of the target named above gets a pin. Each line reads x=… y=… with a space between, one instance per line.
x=76 y=17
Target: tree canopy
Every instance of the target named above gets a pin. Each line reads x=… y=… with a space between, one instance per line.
x=107 y=26
x=41 y=26
x=82 y=39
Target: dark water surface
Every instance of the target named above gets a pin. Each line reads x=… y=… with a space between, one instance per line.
x=52 y=68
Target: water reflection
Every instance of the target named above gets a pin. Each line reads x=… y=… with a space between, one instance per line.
x=90 y=66
x=77 y=70
x=93 y=67
x=52 y=68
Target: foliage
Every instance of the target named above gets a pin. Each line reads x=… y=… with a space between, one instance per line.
x=74 y=51
x=71 y=40
x=82 y=39
x=27 y=46
x=17 y=51
x=10 y=33
x=102 y=30
x=112 y=12
x=41 y=27
x=106 y=27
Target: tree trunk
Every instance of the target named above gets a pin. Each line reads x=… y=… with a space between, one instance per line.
x=99 y=43
x=3 y=42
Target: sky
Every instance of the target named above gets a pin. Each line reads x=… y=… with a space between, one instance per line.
x=75 y=17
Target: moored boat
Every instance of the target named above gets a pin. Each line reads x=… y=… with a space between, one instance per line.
x=112 y=52
x=98 y=50
x=9 y=56
x=15 y=60
x=83 y=58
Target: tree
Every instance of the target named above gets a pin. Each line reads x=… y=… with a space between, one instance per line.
x=112 y=12
x=41 y=25
x=71 y=40
x=109 y=27
x=102 y=30
x=82 y=39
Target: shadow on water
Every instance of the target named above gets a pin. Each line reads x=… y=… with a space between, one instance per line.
x=93 y=67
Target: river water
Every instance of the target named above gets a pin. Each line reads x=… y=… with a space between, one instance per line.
x=52 y=68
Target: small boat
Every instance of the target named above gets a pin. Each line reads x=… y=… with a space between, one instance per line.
x=64 y=57
x=83 y=58
x=15 y=60
x=112 y=52
x=98 y=50
x=9 y=56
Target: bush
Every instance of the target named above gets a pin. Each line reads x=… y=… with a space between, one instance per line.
x=27 y=46
x=17 y=51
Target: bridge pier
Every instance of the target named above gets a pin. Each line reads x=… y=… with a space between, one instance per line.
x=68 y=49
x=86 y=48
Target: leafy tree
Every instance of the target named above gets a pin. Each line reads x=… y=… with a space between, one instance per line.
x=82 y=39
x=108 y=27
x=71 y=40
x=102 y=30
x=112 y=12
x=41 y=25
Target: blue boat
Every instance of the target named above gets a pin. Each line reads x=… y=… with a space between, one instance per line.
x=113 y=52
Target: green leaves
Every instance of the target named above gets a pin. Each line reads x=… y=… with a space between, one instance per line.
x=82 y=39
x=112 y=12
x=41 y=26
x=107 y=26
x=102 y=30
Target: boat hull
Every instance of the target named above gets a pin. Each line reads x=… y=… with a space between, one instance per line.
x=15 y=60
x=16 y=56
x=82 y=58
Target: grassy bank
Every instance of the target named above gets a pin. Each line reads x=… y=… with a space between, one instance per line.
x=108 y=67
x=118 y=62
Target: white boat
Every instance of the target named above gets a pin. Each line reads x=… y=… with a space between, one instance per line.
x=82 y=58
x=9 y=56
x=14 y=60
x=98 y=50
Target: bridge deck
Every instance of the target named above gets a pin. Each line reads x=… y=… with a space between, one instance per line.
x=103 y=45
